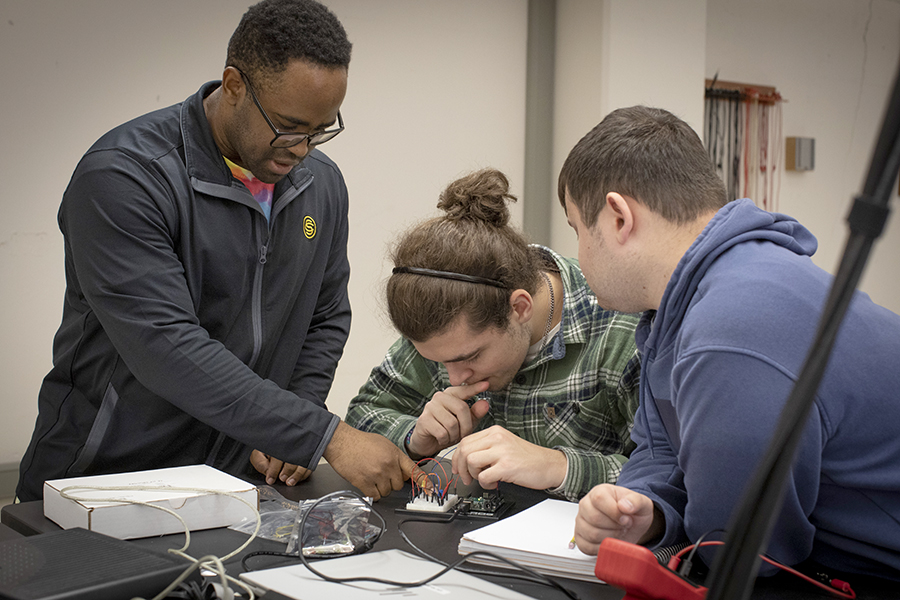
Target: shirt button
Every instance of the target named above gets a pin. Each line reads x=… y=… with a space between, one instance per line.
x=520 y=379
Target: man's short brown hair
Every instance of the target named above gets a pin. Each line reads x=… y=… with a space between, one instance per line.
x=648 y=154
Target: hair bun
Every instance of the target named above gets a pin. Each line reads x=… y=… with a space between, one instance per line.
x=479 y=196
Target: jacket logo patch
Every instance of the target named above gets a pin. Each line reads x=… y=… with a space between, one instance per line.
x=309 y=227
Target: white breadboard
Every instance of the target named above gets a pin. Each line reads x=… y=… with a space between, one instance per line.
x=426 y=504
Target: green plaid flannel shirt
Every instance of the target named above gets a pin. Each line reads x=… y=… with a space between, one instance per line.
x=578 y=395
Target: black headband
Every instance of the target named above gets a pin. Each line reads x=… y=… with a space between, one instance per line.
x=450 y=275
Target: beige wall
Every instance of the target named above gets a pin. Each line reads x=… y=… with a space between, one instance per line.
x=436 y=89
x=834 y=61
x=615 y=53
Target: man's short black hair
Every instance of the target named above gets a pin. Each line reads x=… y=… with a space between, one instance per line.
x=274 y=32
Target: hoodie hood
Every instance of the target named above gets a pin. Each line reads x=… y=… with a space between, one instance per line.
x=737 y=222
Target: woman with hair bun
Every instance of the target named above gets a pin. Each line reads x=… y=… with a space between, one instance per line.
x=504 y=351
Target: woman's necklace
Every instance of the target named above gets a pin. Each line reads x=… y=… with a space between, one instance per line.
x=552 y=308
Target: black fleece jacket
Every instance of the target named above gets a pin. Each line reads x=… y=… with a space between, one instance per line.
x=193 y=329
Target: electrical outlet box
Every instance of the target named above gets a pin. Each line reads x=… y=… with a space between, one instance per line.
x=800 y=154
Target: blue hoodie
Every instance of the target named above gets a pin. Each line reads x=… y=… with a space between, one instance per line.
x=719 y=359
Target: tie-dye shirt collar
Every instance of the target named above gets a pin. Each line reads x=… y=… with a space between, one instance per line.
x=263 y=192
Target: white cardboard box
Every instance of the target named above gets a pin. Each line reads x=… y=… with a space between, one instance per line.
x=124 y=520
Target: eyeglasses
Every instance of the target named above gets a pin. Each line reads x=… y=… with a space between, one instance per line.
x=288 y=139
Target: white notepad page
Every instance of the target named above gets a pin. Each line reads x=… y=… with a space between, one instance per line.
x=537 y=537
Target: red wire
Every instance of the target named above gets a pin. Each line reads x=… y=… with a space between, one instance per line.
x=427 y=458
x=428 y=475
x=447 y=489
x=844 y=591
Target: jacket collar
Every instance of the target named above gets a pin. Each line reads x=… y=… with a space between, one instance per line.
x=203 y=159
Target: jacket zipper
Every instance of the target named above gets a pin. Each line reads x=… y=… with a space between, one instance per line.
x=263 y=252
x=256 y=303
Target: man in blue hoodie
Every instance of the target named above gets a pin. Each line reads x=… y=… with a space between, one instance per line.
x=731 y=300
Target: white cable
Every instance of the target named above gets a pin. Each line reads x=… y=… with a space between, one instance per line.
x=203 y=562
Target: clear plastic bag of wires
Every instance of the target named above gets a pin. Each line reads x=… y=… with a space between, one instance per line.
x=277 y=516
x=337 y=525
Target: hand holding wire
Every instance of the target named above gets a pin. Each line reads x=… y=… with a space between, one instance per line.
x=368 y=461
x=421 y=480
